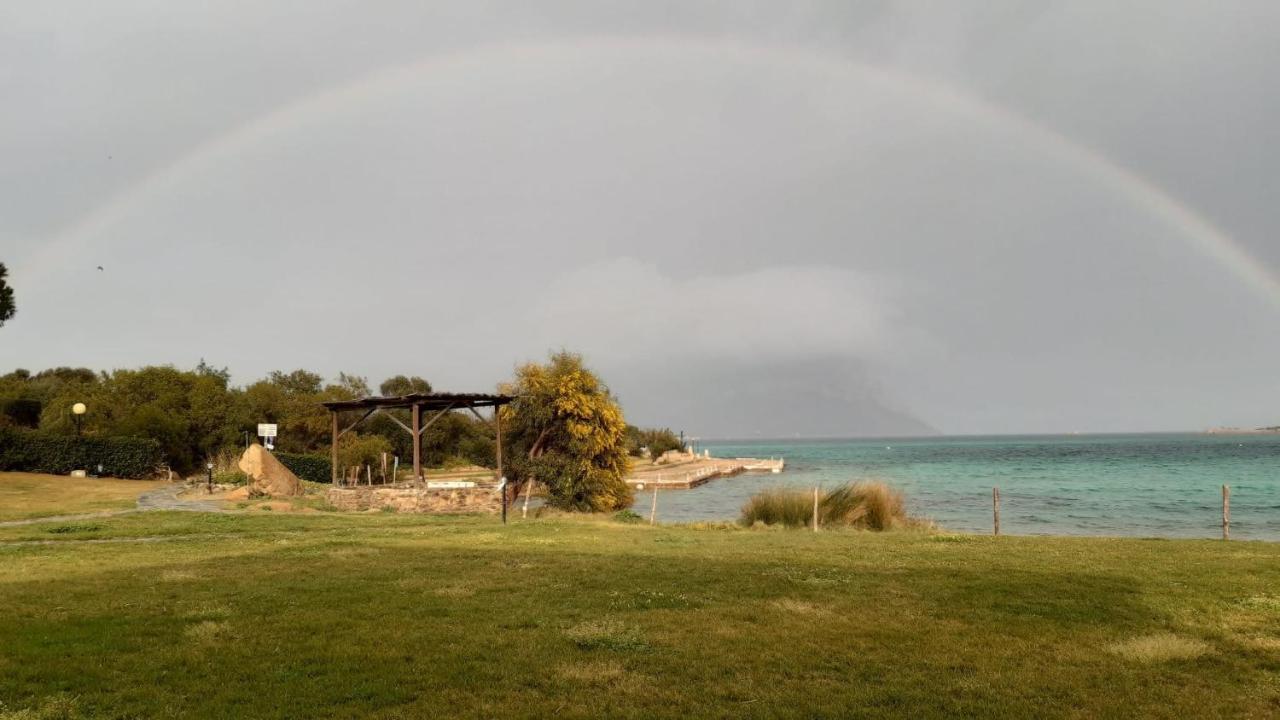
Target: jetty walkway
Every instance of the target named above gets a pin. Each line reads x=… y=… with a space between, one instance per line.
x=682 y=471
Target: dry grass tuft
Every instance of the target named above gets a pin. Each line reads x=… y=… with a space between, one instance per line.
x=57 y=707
x=354 y=552
x=1160 y=647
x=791 y=606
x=606 y=635
x=1262 y=642
x=454 y=591
x=210 y=631
x=594 y=672
x=862 y=505
x=793 y=508
x=1265 y=603
x=208 y=611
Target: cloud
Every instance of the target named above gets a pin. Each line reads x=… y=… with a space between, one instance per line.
x=709 y=201
x=611 y=308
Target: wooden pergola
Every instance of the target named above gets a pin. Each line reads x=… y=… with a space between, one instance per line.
x=417 y=403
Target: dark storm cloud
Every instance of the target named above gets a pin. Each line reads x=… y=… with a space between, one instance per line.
x=823 y=219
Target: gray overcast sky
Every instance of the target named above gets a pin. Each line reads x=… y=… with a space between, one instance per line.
x=817 y=219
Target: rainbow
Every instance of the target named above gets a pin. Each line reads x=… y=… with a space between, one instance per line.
x=1202 y=235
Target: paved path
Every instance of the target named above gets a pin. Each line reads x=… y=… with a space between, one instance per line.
x=165 y=498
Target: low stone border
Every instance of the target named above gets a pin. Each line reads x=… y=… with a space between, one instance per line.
x=417 y=500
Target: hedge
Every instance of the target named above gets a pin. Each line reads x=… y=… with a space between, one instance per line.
x=32 y=451
x=314 y=468
x=21 y=412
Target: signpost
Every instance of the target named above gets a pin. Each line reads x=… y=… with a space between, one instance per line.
x=267 y=431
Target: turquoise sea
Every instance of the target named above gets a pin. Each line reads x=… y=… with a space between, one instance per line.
x=1165 y=485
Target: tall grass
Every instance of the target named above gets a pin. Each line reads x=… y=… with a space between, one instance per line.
x=793 y=508
x=863 y=505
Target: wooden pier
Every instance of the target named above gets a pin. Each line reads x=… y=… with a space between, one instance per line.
x=690 y=471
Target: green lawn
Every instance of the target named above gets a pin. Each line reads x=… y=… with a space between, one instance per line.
x=27 y=495
x=288 y=616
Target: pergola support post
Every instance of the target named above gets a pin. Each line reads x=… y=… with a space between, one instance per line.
x=497 y=453
x=417 y=443
x=333 y=446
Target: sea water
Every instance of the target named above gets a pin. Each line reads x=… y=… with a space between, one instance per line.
x=1134 y=485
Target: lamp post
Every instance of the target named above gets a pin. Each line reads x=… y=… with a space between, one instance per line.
x=209 y=484
x=78 y=410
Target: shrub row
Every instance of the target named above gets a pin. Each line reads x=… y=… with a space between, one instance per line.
x=20 y=412
x=32 y=451
x=314 y=468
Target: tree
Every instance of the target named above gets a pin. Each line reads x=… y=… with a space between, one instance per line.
x=401 y=385
x=356 y=450
x=566 y=431
x=383 y=424
x=192 y=414
x=169 y=429
x=292 y=401
x=7 y=306
x=659 y=441
x=298 y=382
x=354 y=385
x=654 y=441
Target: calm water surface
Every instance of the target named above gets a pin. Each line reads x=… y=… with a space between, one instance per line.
x=1144 y=485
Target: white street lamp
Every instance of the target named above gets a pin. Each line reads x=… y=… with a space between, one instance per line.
x=78 y=410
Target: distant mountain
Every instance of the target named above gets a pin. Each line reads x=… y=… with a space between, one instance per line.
x=830 y=397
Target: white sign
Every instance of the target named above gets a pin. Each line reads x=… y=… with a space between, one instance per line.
x=266 y=430
x=449 y=485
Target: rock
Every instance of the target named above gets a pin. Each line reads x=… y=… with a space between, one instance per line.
x=270 y=477
x=240 y=493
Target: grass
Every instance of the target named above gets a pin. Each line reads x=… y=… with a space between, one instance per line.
x=272 y=615
x=862 y=505
x=31 y=495
x=1161 y=647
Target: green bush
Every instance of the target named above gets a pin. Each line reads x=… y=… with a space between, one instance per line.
x=627 y=516
x=231 y=477
x=356 y=451
x=33 y=451
x=313 y=468
x=21 y=412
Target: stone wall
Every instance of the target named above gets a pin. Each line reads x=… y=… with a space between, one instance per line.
x=417 y=500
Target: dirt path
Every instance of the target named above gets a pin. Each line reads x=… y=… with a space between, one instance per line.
x=66 y=518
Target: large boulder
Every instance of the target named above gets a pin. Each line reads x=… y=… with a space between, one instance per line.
x=270 y=477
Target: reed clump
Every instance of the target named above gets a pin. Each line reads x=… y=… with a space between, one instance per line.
x=869 y=505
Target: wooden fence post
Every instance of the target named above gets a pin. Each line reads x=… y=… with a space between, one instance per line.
x=653 y=513
x=1226 y=512
x=995 y=508
x=815 y=508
